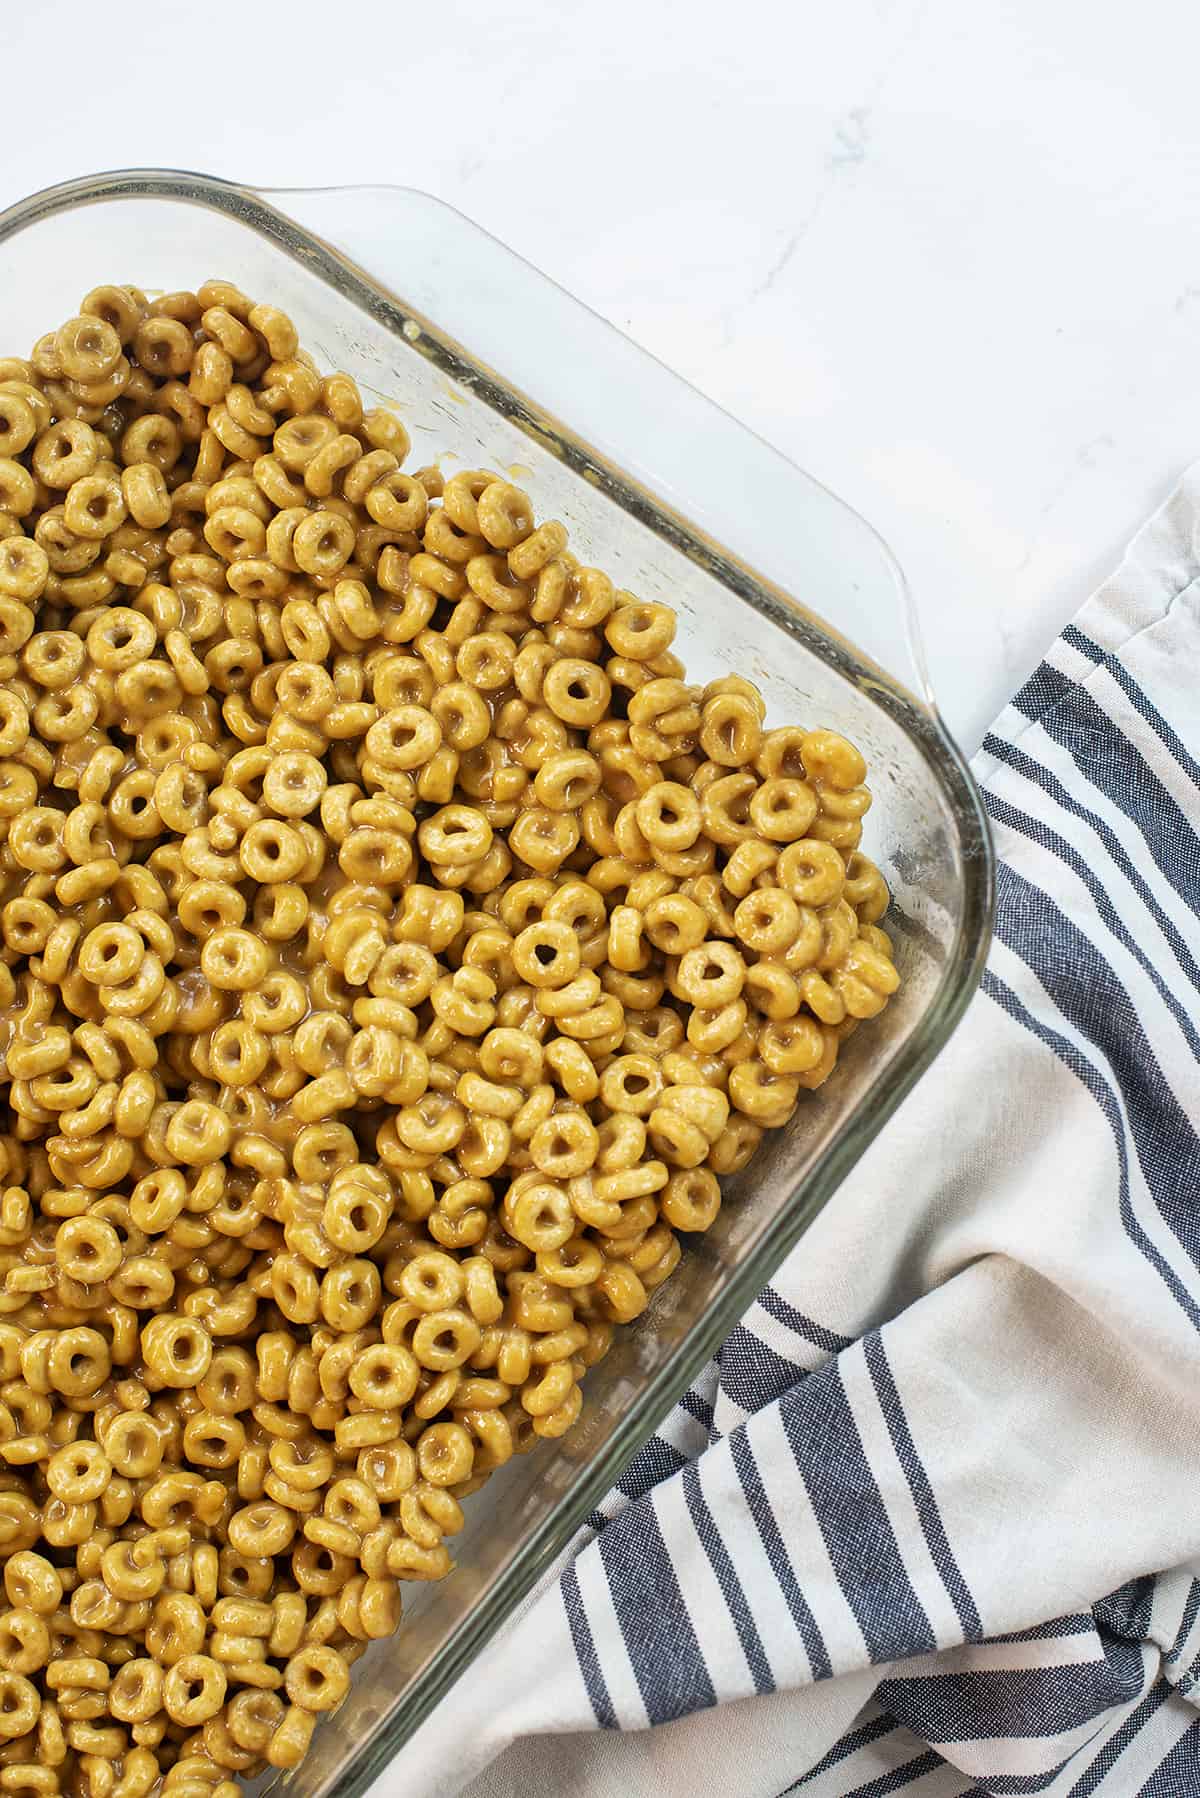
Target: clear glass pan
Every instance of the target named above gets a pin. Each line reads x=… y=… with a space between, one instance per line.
x=772 y=576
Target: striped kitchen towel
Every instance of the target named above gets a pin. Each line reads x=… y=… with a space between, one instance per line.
x=930 y=1521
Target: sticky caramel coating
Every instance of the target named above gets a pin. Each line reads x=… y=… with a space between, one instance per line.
x=395 y=951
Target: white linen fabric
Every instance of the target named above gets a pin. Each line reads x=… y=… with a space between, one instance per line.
x=930 y=1521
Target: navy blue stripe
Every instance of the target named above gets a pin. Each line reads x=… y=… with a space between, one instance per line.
x=1127 y=1611
x=777 y=1307
x=1116 y=1745
x=752 y=1374
x=654 y=1462
x=1037 y=694
x=725 y=1573
x=1041 y=834
x=1087 y=992
x=1112 y=763
x=596 y=1521
x=585 y=1650
x=850 y=1743
x=1186 y=1685
x=928 y=1514
x=853 y=1518
x=1053 y=787
x=899 y=1776
x=1138 y=698
x=1050 y=1630
x=1074 y=636
x=657 y=1630
x=1142 y=1591
x=1105 y=1098
x=759 y=1506
x=698 y=1407
x=1179 y=1774
x=1013 y=1701
x=1190 y=1611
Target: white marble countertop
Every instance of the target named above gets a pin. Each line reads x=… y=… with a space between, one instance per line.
x=944 y=255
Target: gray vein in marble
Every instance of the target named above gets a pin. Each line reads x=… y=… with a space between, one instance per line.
x=851 y=134
x=847 y=154
x=781 y=261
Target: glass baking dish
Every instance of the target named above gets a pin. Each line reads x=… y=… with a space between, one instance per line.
x=772 y=576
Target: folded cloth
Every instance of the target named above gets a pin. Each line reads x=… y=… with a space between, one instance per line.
x=930 y=1522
